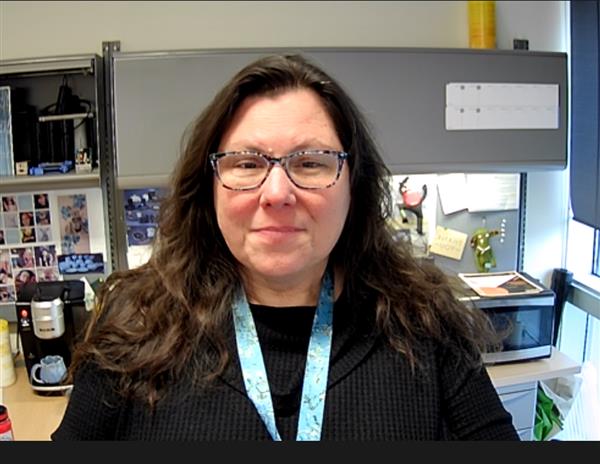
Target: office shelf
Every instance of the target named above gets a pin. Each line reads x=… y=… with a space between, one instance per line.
x=50 y=181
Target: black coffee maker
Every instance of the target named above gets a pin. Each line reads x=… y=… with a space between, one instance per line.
x=50 y=319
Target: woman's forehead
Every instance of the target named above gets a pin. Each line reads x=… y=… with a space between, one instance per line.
x=296 y=118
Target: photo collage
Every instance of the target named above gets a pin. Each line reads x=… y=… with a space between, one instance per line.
x=141 y=214
x=29 y=249
x=25 y=252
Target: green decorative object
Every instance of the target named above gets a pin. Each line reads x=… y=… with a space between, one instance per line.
x=547 y=417
x=484 y=255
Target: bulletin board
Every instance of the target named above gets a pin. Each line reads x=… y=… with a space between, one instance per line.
x=38 y=227
x=486 y=212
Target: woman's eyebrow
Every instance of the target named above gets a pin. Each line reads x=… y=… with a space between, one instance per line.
x=304 y=144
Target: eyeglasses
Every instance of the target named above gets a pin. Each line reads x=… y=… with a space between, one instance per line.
x=307 y=169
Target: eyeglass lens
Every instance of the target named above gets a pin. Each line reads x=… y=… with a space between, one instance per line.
x=305 y=169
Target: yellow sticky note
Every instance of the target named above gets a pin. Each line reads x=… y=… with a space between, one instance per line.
x=448 y=242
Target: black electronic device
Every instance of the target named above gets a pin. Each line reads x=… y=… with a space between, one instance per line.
x=24 y=127
x=51 y=317
x=64 y=127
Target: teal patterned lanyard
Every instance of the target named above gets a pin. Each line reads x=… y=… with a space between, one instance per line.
x=314 y=386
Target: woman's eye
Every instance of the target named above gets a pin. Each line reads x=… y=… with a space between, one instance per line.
x=246 y=164
x=311 y=164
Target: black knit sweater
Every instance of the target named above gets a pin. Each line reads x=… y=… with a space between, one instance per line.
x=372 y=392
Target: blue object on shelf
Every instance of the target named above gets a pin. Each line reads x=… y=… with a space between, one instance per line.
x=44 y=168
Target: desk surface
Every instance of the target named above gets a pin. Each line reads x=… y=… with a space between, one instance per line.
x=557 y=365
x=35 y=417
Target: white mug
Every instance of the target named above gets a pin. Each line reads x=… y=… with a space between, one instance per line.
x=52 y=370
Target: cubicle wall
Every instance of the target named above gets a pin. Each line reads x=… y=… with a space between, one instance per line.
x=401 y=91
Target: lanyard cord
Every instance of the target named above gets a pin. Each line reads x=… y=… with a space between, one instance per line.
x=314 y=386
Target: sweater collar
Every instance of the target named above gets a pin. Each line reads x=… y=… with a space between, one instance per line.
x=354 y=336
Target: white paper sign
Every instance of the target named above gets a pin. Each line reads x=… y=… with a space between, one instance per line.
x=492 y=192
x=452 y=190
x=479 y=106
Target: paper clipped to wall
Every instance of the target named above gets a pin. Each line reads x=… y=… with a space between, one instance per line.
x=448 y=242
x=485 y=106
x=478 y=192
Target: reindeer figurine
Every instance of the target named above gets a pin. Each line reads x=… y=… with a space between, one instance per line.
x=412 y=201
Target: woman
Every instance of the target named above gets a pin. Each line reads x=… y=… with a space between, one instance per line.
x=9 y=204
x=23 y=277
x=25 y=257
x=274 y=224
x=41 y=201
x=26 y=219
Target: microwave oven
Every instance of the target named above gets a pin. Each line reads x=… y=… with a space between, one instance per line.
x=525 y=323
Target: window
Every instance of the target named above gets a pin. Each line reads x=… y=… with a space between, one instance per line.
x=596 y=258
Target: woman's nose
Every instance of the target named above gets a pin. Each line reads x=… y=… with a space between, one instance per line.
x=277 y=190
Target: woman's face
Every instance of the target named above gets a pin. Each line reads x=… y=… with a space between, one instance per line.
x=279 y=230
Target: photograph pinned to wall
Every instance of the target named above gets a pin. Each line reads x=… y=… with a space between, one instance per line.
x=26 y=218
x=81 y=263
x=137 y=235
x=5 y=277
x=45 y=256
x=7 y=294
x=43 y=234
x=5 y=268
x=22 y=257
x=141 y=214
x=24 y=276
x=42 y=217
x=47 y=274
x=27 y=235
x=41 y=201
x=9 y=203
x=73 y=224
x=7 y=288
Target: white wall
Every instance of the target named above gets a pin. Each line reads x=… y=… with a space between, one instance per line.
x=34 y=29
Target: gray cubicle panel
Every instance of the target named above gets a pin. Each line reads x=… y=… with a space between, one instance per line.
x=505 y=248
x=401 y=91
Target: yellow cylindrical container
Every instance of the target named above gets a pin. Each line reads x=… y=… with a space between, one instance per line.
x=482 y=24
x=7 y=367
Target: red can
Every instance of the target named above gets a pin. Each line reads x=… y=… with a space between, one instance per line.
x=6 y=433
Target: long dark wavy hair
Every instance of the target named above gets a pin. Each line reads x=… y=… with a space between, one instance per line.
x=153 y=321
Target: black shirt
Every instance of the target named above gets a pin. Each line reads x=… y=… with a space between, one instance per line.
x=372 y=393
